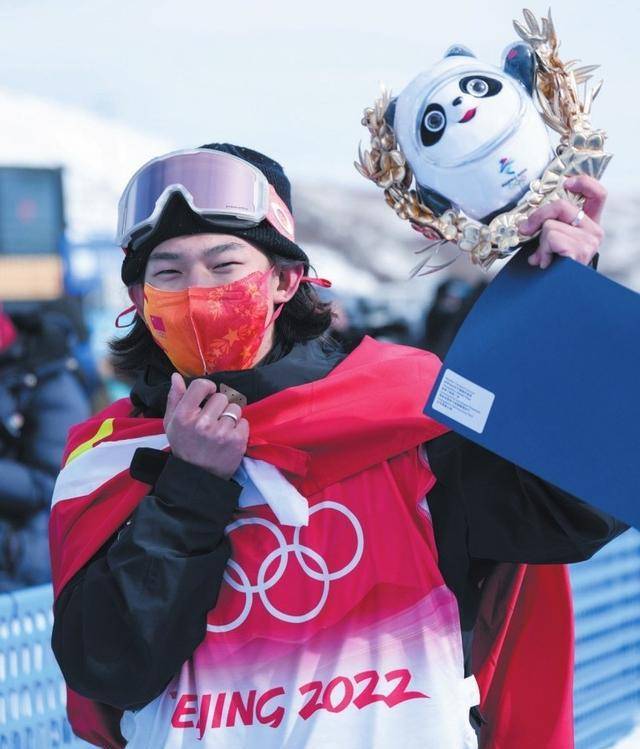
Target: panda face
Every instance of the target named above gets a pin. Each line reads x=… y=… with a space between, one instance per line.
x=470 y=131
x=465 y=112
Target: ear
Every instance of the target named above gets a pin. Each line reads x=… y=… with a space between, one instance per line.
x=519 y=62
x=432 y=199
x=288 y=282
x=458 y=50
x=136 y=294
x=390 y=112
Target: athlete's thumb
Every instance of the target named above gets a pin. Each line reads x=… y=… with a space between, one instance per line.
x=176 y=391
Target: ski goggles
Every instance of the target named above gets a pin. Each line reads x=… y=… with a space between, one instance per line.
x=221 y=188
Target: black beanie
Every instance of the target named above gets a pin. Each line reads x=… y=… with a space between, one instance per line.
x=178 y=219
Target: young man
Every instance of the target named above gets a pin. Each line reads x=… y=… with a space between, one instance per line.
x=269 y=544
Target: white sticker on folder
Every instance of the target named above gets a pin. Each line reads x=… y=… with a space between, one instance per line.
x=463 y=401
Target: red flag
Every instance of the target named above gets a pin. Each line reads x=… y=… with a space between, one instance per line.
x=367 y=410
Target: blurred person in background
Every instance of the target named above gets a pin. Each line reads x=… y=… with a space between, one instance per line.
x=41 y=397
x=268 y=543
x=343 y=329
x=453 y=301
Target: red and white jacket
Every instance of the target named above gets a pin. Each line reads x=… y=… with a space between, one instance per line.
x=334 y=626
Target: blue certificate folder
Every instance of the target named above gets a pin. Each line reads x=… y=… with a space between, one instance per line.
x=545 y=372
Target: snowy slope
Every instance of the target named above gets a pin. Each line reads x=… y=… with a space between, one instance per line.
x=349 y=232
x=98 y=155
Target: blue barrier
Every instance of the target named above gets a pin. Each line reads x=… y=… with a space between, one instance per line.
x=606 y=594
x=607 y=679
x=32 y=690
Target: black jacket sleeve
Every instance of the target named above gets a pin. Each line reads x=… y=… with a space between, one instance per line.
x=126 y=622
x=486 y=510
x=508 y=514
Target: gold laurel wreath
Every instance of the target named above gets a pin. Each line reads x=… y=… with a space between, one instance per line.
x=563 y=108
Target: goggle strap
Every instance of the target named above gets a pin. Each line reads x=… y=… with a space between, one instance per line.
x=279 y=216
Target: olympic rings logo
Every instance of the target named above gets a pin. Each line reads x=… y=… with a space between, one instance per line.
x=263 y=583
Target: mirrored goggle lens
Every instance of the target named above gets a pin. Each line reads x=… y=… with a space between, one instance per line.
x=217 y=183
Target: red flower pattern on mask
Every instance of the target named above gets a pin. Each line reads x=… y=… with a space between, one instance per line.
x=210 y=329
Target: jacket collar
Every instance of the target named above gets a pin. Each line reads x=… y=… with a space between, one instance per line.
x=303 y=363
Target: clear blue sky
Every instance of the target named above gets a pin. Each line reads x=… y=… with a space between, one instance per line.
x=290 y=78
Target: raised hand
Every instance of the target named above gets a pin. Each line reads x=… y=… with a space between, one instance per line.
x=566 y=230
x=203 y=428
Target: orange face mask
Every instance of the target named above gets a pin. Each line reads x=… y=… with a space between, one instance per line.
x=210 y=329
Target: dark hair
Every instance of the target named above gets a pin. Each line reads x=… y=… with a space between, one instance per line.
x=304 y=317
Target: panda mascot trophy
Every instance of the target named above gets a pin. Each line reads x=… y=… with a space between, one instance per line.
x=464 y=153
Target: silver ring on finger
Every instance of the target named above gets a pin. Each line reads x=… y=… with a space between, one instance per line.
x=231 y=416
x=578 y=218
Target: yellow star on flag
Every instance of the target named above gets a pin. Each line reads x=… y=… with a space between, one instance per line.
x=231 y=337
